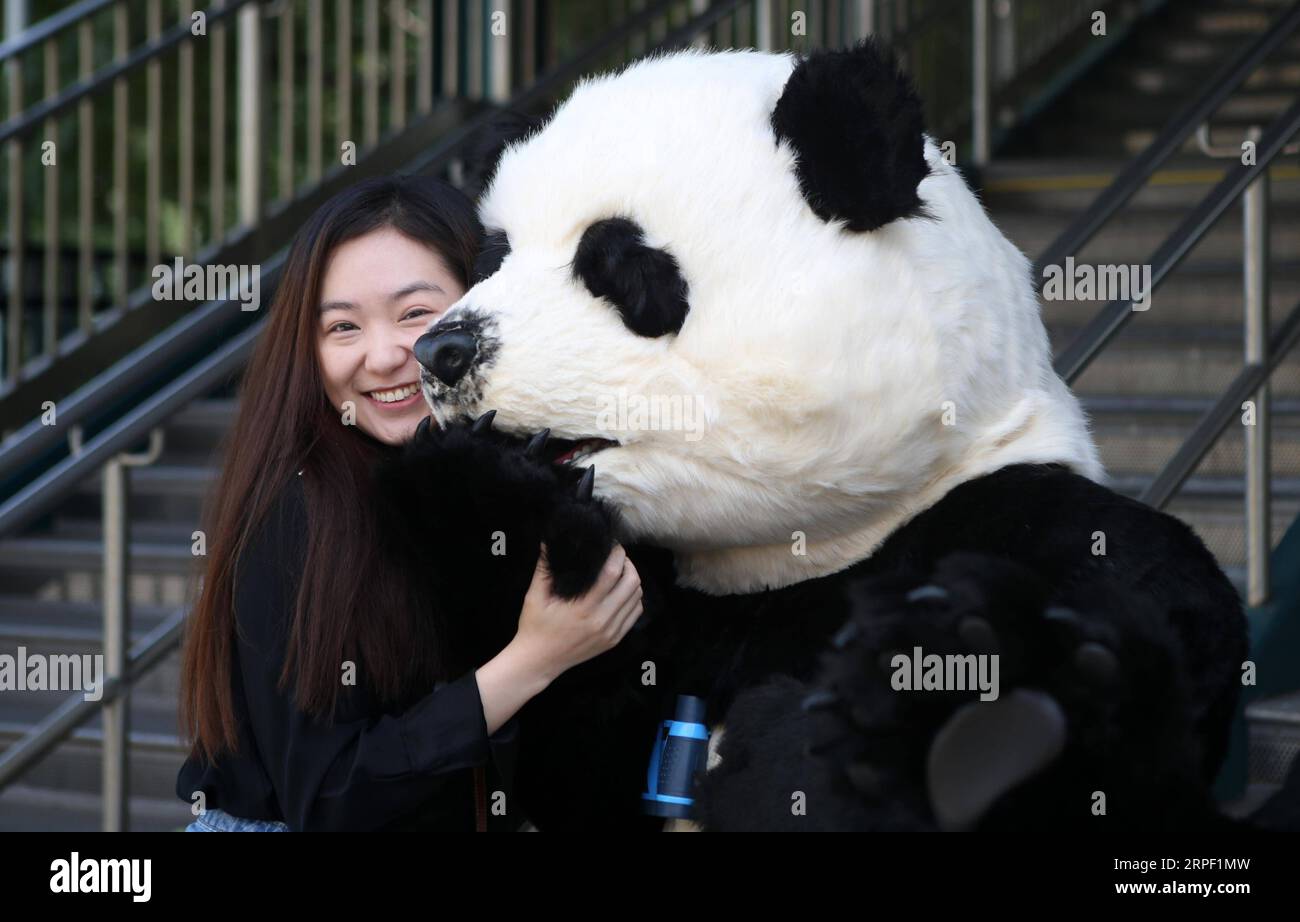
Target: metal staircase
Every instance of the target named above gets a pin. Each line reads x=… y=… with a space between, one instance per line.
x=1055 y=147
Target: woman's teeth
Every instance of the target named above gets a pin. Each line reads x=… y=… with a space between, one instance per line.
x=393 y=396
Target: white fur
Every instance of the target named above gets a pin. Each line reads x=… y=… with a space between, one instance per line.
x=820 y=359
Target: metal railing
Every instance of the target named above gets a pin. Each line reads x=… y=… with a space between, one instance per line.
x=1246 y=179
x=230 y=71
x=530 y=76
x=105 y=449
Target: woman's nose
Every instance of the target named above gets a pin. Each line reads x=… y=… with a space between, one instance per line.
x=390 y=354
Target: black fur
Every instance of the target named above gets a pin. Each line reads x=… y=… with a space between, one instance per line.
x=1010 y=547
x=795 y=674
x=485 y=146
x=854 y=121
x=643 y=282
x=495 y=248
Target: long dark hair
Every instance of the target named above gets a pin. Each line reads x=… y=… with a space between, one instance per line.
x=353 y=601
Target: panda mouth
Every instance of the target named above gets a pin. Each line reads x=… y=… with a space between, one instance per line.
x=574 y=451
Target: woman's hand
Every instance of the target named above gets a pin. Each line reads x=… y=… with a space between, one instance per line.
x=559 y=634
x=555 y=634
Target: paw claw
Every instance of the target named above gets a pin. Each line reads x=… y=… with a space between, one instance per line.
x=865 y=777
x=1096 y=663
x=586 y=484
x=535 y=445
x=978 y=634
x=845 y=636
x=483 y=424
x=820 y=701
x=1061 y=614
x=927 y=592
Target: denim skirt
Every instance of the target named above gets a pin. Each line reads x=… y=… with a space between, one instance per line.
x=215 y=820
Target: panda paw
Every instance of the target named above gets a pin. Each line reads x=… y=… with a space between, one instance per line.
x=479 y=502
x=894 y=728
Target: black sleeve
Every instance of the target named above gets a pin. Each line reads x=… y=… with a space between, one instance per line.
x=368 y=768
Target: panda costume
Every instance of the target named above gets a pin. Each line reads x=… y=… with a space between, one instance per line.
x=863 y=454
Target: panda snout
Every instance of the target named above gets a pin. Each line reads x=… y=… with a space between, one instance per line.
x=447 y=354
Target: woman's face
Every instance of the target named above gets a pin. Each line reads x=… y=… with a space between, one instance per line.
x=379 y=294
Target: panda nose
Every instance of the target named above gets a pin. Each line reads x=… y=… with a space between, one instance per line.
x=447 y=355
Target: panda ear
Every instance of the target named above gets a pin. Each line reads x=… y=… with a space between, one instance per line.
x=485 y=146
x=854 y=121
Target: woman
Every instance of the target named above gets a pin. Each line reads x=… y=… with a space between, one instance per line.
x=312 y=687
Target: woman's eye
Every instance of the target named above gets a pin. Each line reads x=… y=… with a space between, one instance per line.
x=416 y=312
x=336 y=327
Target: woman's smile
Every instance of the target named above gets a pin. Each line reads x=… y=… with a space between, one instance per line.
x=395 y=398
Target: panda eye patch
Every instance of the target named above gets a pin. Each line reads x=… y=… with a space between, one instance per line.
x=496 y=247
x=643 y=282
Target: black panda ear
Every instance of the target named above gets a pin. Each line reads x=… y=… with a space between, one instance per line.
x=854 y=121
x=485 y=146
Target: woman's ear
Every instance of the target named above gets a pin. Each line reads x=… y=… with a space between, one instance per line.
x=854 y=122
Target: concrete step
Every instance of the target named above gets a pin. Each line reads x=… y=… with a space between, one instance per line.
x=163 y=492
x=57 y=568
x=1195 y=296
x=152 y=713
x=76 y=764
x=1136 y=236
x=1150 y=77
x=161 y=682
x=71 y=617
x=196 y=432
x=143 y=530
x=161 y=480
x=1274 y=738
x=1149 y=361
x=27 y=808
x=1115 y=106
x=1220 y=522
x=63 y=554
x=1145 y=446
x=1065 y=186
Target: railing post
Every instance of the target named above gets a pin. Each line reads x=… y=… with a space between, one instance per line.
x=1259 y=543
x=499 y=64
x=701 y=39
x=763 y=24
x=250 y=114
x=866 y=18
x=1005 y=45
x=15 y=22
x=979 y=111
x=117 y=633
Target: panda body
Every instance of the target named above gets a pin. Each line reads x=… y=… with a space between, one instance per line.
x=887 y=461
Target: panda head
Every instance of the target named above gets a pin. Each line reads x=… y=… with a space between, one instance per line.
x=749 y=291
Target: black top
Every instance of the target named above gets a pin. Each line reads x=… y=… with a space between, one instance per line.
x=369 y=769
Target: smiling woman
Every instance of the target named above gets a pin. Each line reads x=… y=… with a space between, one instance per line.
x=316 y=691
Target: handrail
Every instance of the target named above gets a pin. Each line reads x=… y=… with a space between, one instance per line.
x=35 y=439
x=51 y=26
x=1130 y=179
x=200 y=379
x=35 y=116
x=1249 y=380
x=1075 y=358
x=76 y=710
x=29 y=442
x=37 y=496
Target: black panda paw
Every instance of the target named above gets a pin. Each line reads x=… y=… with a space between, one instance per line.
x=579 y=537
x=477 y=503
x=943 y=697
